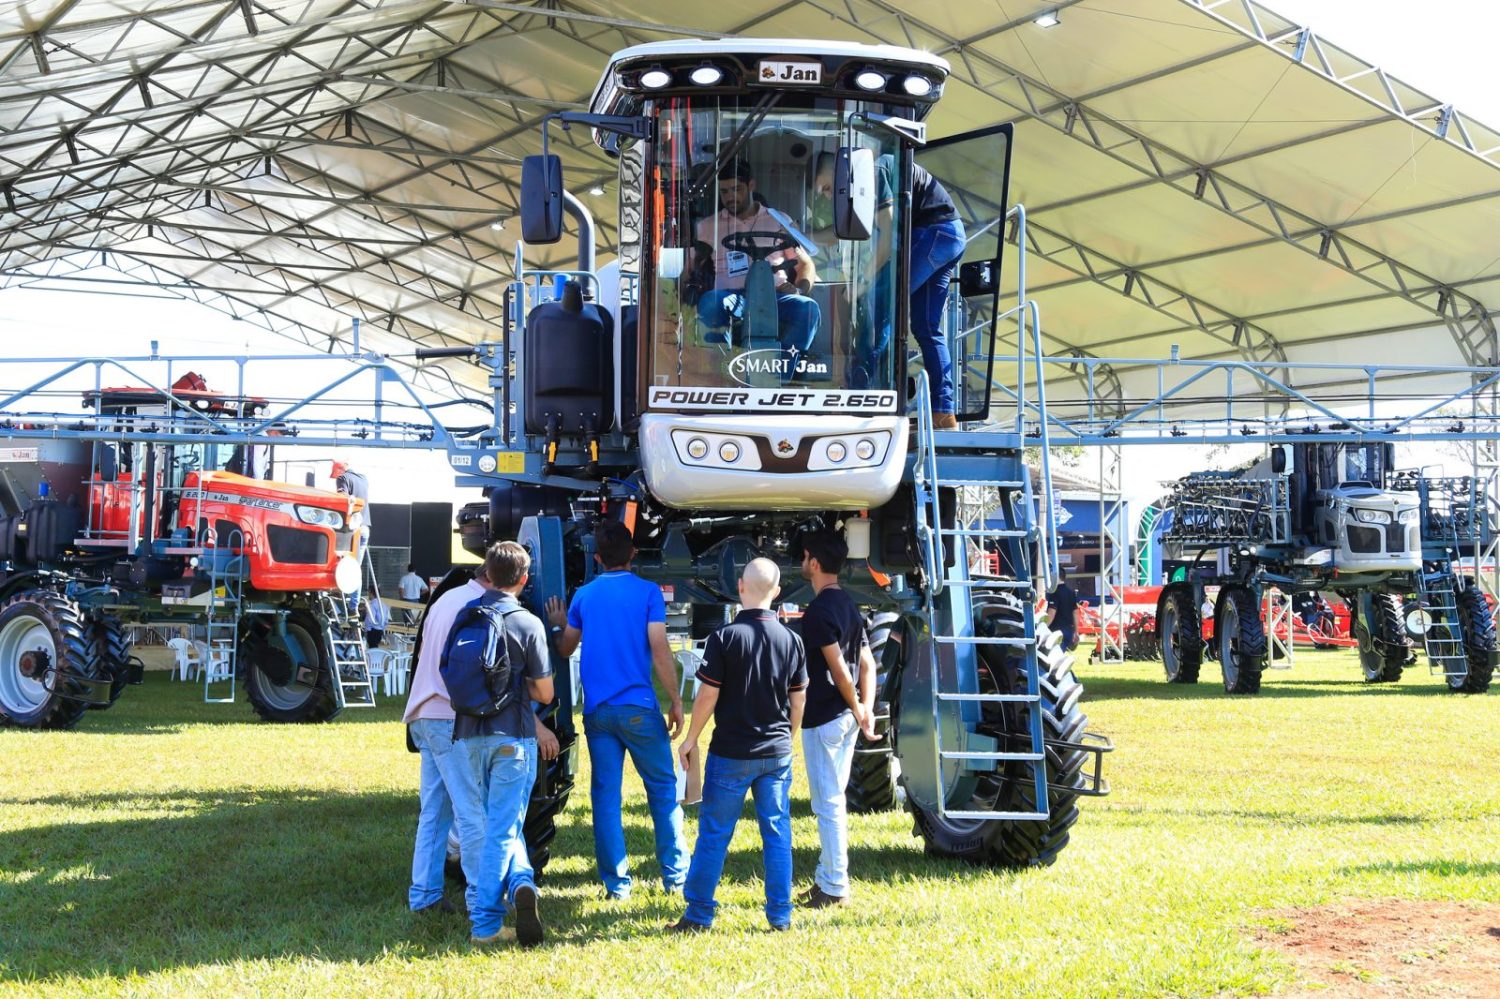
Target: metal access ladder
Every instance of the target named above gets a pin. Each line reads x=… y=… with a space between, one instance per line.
x=950 y=589
x=1444 y=638
x=226 y=583
x=344 y=638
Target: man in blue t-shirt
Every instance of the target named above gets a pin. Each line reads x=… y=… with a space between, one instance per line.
x=625 y=618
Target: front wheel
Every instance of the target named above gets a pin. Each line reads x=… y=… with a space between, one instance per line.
x=1478 y=627
x=288 y=677
x=1241 y=637
x=872 y=774
x=1010 y=787
x=47 y=661
x=1381 y=633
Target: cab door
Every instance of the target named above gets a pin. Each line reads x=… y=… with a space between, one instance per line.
x=974 y=168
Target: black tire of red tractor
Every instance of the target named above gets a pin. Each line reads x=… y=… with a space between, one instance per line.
x=1242 y=650
x=549 y=796
x=1478 y=627
x=1391 y=647
x=1179 y=635
x=112 y=650
x=1005 y=843
x=872 y=774
x=65 y=623
x=296 y=705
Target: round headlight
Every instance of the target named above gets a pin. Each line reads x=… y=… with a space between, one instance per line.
x=917 y=86
x=729 y=451
x=869 y=79
x=865 y=449
x=706 y=76
x=697 y=448
x=837 y=452
x=357 y=521
x=655 y=79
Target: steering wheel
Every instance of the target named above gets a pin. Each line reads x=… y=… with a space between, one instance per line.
x=759 y=244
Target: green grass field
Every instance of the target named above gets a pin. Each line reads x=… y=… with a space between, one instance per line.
x=172 y=846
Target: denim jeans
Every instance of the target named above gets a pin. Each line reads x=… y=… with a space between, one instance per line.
x=798 y=317
x=504 y=769
x=449 y=796
x=829 y=752
x=725 y=782
x=613 y=730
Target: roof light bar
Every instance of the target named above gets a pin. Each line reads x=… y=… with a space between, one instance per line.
x=706 y=75
x=870 y=79
x=917 y=85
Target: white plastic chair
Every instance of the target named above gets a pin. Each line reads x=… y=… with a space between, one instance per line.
x=216 y=659
x=689 y=659
x=379 y=661
x=397 y=669
x=185 y=659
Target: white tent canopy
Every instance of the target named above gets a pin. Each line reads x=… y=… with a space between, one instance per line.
x=1201 y=173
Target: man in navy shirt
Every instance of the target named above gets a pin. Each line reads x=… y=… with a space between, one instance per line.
x=1063 y=603
x=502 y=752
x=833 y=633
x=754 y=677
x=625 y=619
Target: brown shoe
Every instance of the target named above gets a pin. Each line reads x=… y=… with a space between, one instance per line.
x=529 y=931
x=820 y=899
x=944 y=421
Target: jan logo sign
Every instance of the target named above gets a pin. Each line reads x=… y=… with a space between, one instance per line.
x=784 y=73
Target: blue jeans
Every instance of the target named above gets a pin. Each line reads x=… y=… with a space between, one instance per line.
x=613 y=730
x=504 y=769
x=829 y=752
x=449 y=796
x=797 y=316
x=935 y=253
x=725 y=782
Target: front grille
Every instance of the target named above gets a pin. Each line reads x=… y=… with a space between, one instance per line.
x=1364 y=540
x=296 y=546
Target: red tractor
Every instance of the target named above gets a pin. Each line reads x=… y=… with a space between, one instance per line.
x=143 y=518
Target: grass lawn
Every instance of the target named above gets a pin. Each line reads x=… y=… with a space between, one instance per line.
x=171 y=846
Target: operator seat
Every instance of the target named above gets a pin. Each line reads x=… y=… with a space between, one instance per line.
x=569 y=365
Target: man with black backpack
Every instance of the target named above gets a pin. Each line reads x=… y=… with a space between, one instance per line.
x=494 y=665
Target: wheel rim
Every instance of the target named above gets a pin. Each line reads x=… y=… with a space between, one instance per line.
x=303 y=648
x=21 y=694
x=1229 y=641
x=1171 y=656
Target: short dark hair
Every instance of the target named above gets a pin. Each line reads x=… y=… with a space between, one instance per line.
x=411 y=567
x=1062 y=574
x=506 y=563
x=614 y=544
x=828 y=547
x=736 y=170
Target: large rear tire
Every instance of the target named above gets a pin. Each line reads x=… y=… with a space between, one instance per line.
x=291 y=702
x=1478 y=627
x=1180 y=634
x=1383 y=645
x=1241 y=637
x=44 y=645
x=872 y=775
x=1003 y=842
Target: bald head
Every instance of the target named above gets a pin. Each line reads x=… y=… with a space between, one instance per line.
x=760 y=583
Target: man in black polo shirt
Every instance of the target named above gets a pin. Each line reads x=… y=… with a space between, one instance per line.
x=1063 y=602
x=833 y=632
x=754 y=677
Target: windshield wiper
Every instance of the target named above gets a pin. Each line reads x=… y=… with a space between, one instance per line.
x=739 y=138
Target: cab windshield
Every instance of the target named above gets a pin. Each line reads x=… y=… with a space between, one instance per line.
x=754 y=302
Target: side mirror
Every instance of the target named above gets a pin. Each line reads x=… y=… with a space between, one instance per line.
x=541 y=199
x=1280 y=460
x=854 y=193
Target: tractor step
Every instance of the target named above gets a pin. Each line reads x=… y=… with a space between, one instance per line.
x=1444 y=640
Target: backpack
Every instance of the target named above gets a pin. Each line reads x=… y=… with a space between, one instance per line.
x=476 y=664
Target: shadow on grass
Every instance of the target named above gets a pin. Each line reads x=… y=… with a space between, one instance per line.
x=1441 y=868
x=268 y=874
x=1210 y=688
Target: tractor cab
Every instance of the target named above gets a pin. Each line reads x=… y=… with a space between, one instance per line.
x=758 y=350
x=1368 y=526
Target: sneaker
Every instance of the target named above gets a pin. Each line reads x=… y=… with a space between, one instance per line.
x=780 y=927
x=529 y=930
x=944 y=421
x=820 y=899
x=686 y=925
x=616 y=896
x=505 y=935
x=442 y=907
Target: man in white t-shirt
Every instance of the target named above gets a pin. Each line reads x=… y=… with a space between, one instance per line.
x=798 y=316
x=411 y=588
